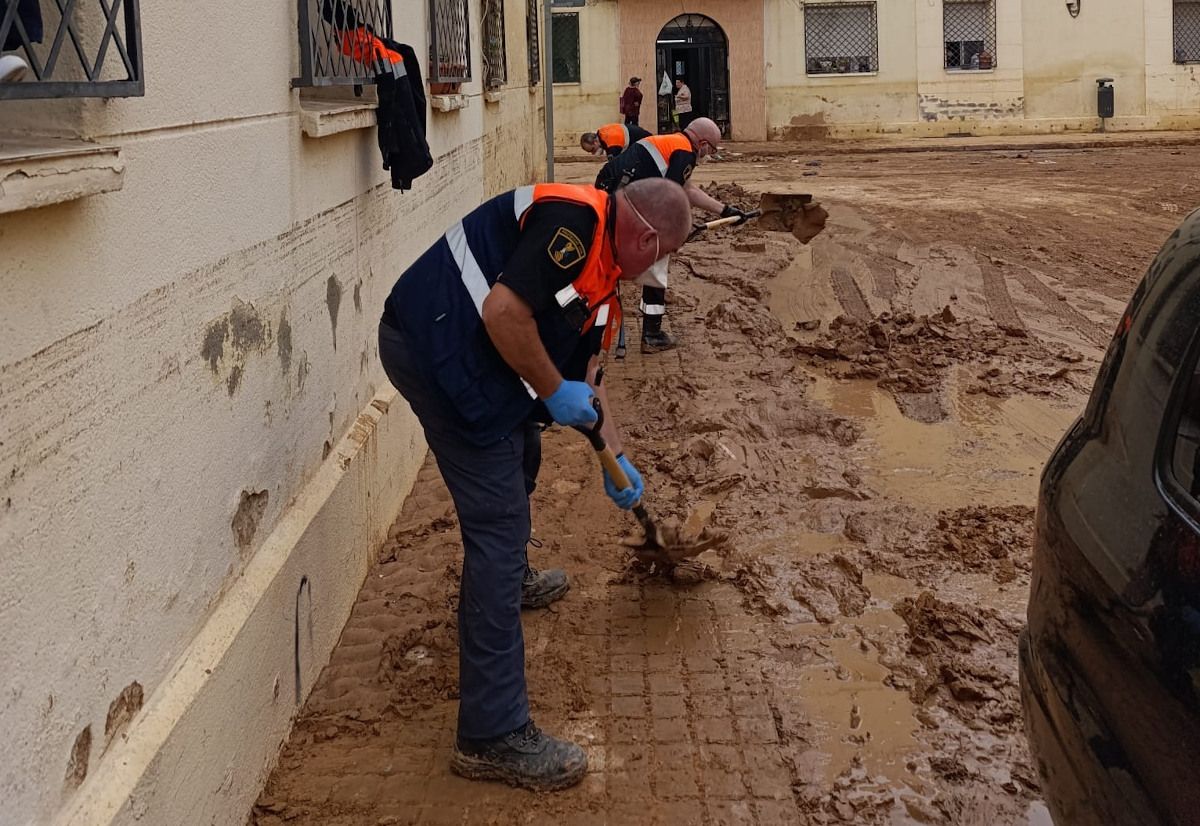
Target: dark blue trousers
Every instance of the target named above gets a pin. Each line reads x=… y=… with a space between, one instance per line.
x=490 y=486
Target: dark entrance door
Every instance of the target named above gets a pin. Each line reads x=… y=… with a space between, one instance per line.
x=694 y=47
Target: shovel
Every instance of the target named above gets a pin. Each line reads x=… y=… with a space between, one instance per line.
x=797 y=214
x=666 y=548
x=779 y=212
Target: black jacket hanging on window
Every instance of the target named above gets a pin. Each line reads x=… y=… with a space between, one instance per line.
x=30 y=14
x=401 y=118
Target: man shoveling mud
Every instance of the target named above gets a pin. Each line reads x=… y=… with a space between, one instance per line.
x=672 y=157
x=490 y=332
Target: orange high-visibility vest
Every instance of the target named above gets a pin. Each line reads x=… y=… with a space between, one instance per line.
x=662 y=147
x=596 y=284
x=614 y=134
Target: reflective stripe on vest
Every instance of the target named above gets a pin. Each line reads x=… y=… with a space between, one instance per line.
x=472 y=275
x=662 y=147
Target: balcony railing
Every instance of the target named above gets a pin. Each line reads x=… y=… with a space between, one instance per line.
x=74 y=48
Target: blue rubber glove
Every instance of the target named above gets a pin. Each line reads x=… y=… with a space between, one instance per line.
x=571 y=404
x=625 y=499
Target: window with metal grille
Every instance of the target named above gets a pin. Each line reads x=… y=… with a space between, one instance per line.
x=495 y=61
x=1187 y=31
x=449 y=41
x=73 y=48
x=564 y=28
x=533 y=34
x=840 y=38
x=969 y=34
x=339 y=43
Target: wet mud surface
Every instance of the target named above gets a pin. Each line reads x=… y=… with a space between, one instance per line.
x=865 y=418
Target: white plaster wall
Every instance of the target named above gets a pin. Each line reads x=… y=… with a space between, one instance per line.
x=1171 y=88
x=799 y=104
x=1064 y=56
x=970 y=95
x=127 y=435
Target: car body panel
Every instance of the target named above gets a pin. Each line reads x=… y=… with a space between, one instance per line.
x=1112 y=649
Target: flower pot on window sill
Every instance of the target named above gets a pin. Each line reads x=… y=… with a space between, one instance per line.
x=445 y=88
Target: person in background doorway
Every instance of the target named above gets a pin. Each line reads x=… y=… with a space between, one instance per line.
x=683 y=104
x=611 y=140
x=631 y=102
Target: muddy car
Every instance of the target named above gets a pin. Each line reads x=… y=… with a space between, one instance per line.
x=1110 y=660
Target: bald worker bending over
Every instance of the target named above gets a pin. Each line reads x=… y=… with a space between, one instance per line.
x=672 y=157
x=489 y=335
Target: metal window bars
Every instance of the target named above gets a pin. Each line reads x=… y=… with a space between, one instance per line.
x=969 y=34
x=105 y=54
x=449 y=41
x=337 y=41
x=840 y=38
x=532 y=34
x=495 y=60
x=1187 y=31
x=564 y=28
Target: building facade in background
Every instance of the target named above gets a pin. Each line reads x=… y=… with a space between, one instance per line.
x=795 y=69
x=199 y=450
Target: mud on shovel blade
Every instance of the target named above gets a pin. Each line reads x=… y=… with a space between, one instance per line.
x=797 y=214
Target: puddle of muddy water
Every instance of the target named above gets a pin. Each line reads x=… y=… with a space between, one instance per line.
x=988 y=450
x=854 y=712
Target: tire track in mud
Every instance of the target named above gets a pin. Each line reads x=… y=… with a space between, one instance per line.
x=1062 y=309
x=999 y=301
x=849 y=295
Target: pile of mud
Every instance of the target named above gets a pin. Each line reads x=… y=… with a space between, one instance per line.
x=965 y=657
x=732 y=193
x=996 y=541
x=911 y=354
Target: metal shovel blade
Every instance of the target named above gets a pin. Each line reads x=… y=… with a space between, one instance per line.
x=794 y=213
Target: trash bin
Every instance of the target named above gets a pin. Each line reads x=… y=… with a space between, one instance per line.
x=1105 y=98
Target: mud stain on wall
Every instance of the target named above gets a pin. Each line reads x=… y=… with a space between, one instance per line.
x=333 y=300
x=123 y=709
x=247 y=518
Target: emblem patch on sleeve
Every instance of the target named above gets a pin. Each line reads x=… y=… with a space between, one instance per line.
x=566 y=250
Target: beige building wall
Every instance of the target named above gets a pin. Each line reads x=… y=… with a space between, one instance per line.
x=595 y=100
x=200 y=451
x=800 y=105
x=1044 y=80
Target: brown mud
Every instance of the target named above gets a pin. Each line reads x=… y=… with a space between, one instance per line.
x=850 y=657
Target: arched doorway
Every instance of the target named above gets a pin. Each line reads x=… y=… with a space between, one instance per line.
x=695 y=48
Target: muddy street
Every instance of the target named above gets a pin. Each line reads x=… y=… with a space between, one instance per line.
x=866 y=417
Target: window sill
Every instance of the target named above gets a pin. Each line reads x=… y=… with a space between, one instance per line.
x=42 y=171
x=970 y=71
x=448 y=103
x=835 y=75
x=493 y=95
x=568 y=83
x=320 y=118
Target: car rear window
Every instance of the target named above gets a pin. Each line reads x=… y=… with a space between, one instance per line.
x=1186 y=461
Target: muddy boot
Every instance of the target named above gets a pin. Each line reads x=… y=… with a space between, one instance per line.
x=654 y=340
x=526 y=757
x=540 y=588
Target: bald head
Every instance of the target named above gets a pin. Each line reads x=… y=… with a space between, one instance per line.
x=665 y=206
x=654 y=218
x=705 y=130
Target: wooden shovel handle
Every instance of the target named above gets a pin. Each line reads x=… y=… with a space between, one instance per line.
x=609 y=460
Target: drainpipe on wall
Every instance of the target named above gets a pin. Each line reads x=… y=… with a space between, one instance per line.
x=548 y=84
